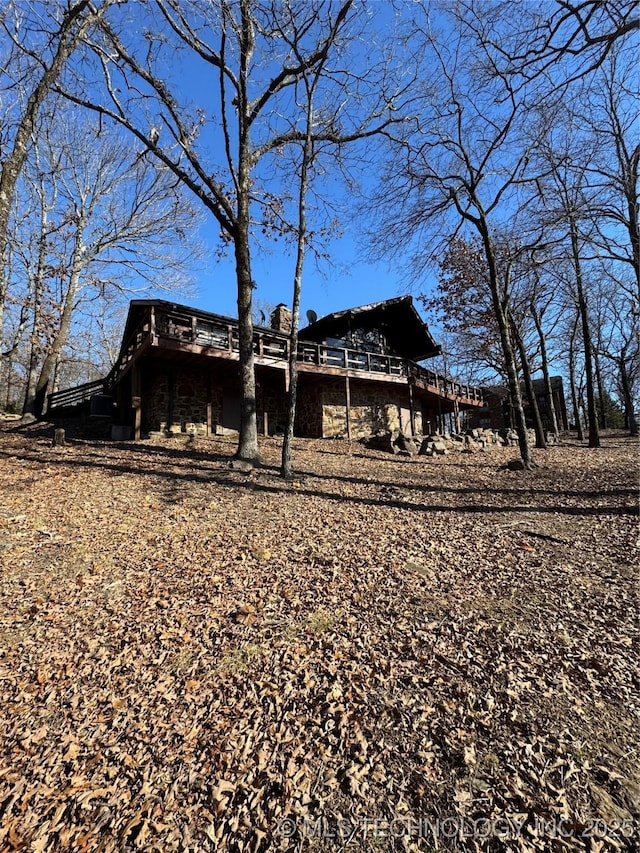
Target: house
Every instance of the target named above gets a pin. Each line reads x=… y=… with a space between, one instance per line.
x=358 y=373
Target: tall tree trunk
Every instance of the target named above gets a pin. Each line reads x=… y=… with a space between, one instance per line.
x=548 y=388
x=48 y=368
x=248 y=439
x=501 y=313
x=286 y=467
x=592 y=414
x=29 y=405
x=541 y=443
x=572 y=380
x=602 y=415
x=8 y=366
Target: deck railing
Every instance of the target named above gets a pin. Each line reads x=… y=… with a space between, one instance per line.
x=77 y=395
x=133 y=343
x=217 y=333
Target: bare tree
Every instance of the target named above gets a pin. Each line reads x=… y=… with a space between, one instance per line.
x=562 y=41
x=252 y=72
x=317 y=147
x=612 y=115
x=618 y=344
x=462 y=168
x=541 y=304
x=106 y=220
x=567 y=200
x=64 y=27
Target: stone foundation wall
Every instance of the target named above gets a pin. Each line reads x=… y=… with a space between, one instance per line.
x=372 y=410
x=272 y=399
x=309 y=412
x=174 y=397
x=190 y=395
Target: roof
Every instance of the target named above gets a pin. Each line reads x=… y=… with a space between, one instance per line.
x=405 y=330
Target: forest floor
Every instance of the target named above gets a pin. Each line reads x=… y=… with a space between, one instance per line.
x=387 y=653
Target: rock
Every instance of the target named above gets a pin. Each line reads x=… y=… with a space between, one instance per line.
x=419 y=570
x=392 y=442
x=58 y=439
x=28 y=418
x=241 y=465
x=406 y=445
x=431 y=447
x=516 y=465
x=380 y=441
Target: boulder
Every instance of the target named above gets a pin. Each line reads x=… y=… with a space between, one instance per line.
x=406 y=445
x=516 y=465
x=392 y=442
x=59 y=439
x=439 y=448
x=241 y=465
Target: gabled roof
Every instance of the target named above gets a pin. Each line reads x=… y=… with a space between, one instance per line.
x=406 y=332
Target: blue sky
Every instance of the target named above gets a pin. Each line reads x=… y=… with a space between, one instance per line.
x=349 y=280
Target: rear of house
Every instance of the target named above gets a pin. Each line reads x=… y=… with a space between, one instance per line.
x=359 y=373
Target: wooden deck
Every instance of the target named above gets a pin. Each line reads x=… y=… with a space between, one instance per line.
x=210 y=335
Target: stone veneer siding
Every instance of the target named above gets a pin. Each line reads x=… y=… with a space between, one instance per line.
x=272 y=399
x=321 y=412
x=190 y=395
x=192 y=387
x=373 y=409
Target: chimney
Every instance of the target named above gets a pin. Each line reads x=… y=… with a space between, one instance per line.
x=281 y=319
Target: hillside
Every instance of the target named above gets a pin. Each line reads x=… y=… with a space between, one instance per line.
x=388 y=653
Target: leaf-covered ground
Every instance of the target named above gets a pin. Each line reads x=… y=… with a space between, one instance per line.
x=386 y=654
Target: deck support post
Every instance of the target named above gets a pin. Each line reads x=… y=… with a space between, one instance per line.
x=412 y=409
x=136 y=401
x=347 y=394
x=209 y=407
x=171 y=382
